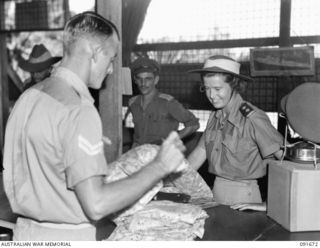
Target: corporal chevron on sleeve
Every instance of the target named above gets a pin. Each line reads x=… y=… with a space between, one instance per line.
x=88 y=148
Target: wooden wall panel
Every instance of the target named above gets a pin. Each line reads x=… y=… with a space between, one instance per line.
x=110 y=98
x=4 y=92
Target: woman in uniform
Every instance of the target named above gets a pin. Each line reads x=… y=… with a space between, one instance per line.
x=239 y=137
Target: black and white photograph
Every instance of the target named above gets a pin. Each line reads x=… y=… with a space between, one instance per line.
x=146 y=122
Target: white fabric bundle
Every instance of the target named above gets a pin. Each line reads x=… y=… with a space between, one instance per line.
x=159 y=220
x=162 y=221
x=126 y=165
x=189 y=182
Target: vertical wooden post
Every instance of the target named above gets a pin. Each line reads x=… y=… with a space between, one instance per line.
x=285 y=20
x=284 y=41
x=4 y=92
x=110 y=98
x=66 y=10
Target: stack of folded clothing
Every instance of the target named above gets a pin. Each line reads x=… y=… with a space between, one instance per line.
x=162 y=221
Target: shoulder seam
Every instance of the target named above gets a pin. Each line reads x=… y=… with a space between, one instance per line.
x=132 y=100
x=166 y=96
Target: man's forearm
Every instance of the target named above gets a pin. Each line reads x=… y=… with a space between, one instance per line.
x=108 y=198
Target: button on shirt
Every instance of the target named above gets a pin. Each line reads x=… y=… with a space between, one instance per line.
x=53 y=141
x=162 y=115
x=237 y=145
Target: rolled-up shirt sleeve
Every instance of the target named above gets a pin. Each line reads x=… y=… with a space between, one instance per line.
x=268 y=139
x=181 y=114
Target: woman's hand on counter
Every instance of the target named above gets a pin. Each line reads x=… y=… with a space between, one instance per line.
x=250 y=206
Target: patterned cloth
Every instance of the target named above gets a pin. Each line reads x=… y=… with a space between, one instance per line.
x=160 y=220
x=126 y=165
x=189 y=182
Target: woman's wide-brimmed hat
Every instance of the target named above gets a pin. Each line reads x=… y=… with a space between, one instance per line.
x=39 y=60
x=221 y=64
x=301 y=107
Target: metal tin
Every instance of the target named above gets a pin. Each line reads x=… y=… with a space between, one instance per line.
x=303 y=152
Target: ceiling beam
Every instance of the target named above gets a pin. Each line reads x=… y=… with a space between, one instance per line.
x=214 y=44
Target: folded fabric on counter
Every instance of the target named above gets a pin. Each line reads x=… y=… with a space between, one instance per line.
x=189 y=182
x=162 y=221
x=127 y=164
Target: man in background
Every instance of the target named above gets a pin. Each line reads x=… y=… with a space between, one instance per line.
x=156 y=114
x=39 y=65
x=54 y=164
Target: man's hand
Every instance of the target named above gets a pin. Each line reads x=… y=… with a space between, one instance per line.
x=170 y=156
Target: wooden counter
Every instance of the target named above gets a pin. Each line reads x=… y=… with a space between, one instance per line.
x=226 y=224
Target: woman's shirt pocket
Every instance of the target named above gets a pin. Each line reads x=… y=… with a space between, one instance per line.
x=238 y=148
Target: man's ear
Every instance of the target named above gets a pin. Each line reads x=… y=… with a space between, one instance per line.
x=156 y=79
x=86 y=48
x=95 y=50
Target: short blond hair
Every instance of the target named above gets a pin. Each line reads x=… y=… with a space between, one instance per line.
x=88 y=25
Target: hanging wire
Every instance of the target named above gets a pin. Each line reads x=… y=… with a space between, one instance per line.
x=285 y=139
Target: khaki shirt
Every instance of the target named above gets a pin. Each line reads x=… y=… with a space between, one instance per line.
x=236 y=147
x=53 y=141
x=162 y=115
